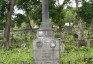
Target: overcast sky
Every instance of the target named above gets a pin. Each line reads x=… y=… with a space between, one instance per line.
x=72 y=4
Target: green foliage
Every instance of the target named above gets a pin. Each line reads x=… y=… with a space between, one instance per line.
x=72 y=54
x=18 y=37
x=57 y=15
x=78 y=56
x=3 y=6
x=32 y=9
x=2 y=23
x=24 y=25
x=70 y=16
x=86 y=12
x=19 y=19
x=16 y=56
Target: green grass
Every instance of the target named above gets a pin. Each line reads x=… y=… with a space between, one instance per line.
x=15 y=56
x=71 y=55
x=83 y=55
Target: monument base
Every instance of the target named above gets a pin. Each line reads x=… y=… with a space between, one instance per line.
x=46 y=51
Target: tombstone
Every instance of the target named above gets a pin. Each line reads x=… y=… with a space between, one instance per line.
x=88 y=43
x=88 y=39
x=62 y=46
x=45 y=47
x=46 y=51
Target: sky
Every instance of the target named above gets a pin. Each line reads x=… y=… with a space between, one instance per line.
x=18 y=11
x=72 y=4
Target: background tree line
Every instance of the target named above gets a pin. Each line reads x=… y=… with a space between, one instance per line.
x=33 y=11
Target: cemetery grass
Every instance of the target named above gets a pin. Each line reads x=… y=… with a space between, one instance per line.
x=19 y=53
x=71 y=55
x=24 y=55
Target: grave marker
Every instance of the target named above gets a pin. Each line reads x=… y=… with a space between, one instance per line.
x=45 y=47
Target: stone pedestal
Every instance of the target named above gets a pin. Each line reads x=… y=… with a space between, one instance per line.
x=43 y=51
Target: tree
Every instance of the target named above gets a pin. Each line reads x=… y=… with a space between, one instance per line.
x=19 y=19
x=10 y=8
x=86 y=12
x=2 y=13
x=57 y=14
x=33 y=10
x=70 y=17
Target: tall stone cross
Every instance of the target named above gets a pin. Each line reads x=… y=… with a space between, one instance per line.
x=45 y=47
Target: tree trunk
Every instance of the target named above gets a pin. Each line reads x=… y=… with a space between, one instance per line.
x=92 y=26
x=30 y=25
x=8 y=23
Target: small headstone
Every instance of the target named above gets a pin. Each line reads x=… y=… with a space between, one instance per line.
x=62 y=47
x=88 y=43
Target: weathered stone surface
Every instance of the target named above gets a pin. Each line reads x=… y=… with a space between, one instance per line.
x=43 y=53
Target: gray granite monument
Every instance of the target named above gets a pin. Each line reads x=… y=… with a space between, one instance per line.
x=46 y=47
